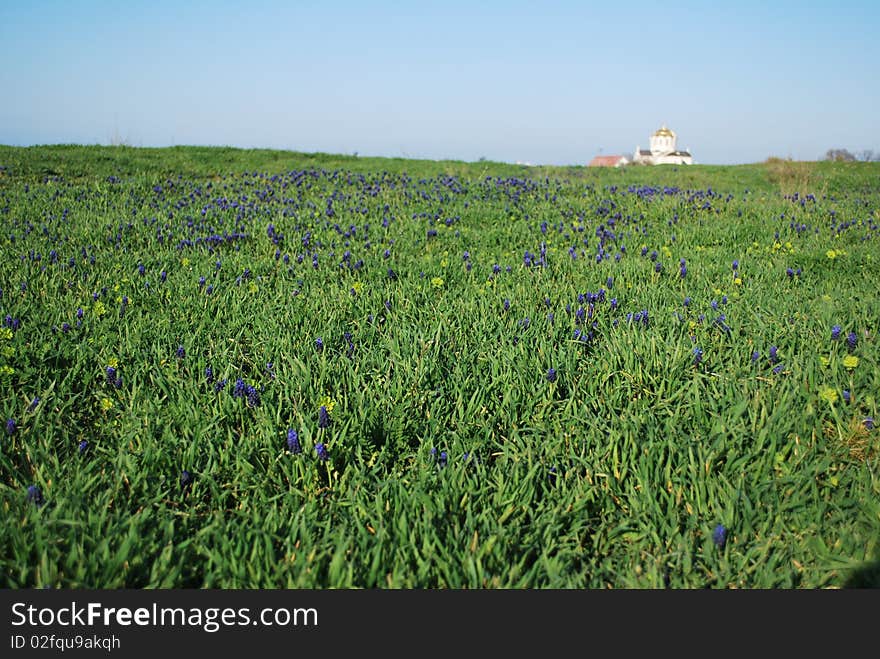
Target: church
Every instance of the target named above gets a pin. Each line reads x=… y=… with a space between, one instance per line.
x=663 y=150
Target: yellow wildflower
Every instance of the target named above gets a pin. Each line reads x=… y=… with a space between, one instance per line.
x=831 y=254
x=5 y=333
x=824 y=360
x=327 y=402
x=828 y=394
x=99 y=309
x=357 y=287
x=113 y=362
x=437 y=282
x=738 y=281
x=106 y=404
x=850 y=361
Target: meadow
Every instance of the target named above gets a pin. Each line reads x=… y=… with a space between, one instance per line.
x=226 y=368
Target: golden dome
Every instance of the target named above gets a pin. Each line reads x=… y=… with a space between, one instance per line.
x=664 y=132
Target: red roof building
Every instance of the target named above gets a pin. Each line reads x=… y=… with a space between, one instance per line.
x=609 y=161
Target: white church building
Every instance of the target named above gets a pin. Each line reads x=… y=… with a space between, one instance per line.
x=663 y=151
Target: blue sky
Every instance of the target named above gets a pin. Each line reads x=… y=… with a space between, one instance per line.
x=546 y=82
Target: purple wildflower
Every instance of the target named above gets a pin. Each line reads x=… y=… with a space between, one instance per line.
x=293 y=444
x=34 y=495
x=323 y=417
x=852 y=341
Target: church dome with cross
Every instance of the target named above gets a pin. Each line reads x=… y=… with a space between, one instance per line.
x=663 y=150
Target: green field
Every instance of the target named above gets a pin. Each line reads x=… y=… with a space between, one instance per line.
x=226 y=368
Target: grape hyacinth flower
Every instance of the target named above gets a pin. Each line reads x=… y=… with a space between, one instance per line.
x=186 y=480
x=551 y=375
x=698 y=356
x=319 y=344
x=719 y=536
x=852 y=341
x=34 y=403
x=321 y=450
x=10 y=426
x=773 y=356
x=868 y=422
x=293 y=444
x=252 y=395
x=846 y=396
x=238 y=389
x=83 y=446
x=34 y=495
x=835 y=332
x=181 y=353
x=323 y=417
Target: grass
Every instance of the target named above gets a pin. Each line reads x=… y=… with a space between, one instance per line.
x=442 y=294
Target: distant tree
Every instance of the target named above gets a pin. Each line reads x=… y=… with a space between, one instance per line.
x=839 y=155
x=869 y=155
